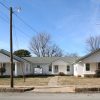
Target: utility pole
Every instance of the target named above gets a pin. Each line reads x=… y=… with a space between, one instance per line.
x=11 y=50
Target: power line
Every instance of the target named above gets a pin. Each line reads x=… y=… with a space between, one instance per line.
x=4 y=19
x=5 y=15
x=25 y=23
x=22 y=32
x=4 y=6
x=20 y=19
x=29 y=26
x=14 y=26
x=14 y=31
x=15 y=35
x=27 y=35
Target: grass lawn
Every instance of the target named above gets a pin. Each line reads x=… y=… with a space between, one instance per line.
x=71 y=80
x=33 y=81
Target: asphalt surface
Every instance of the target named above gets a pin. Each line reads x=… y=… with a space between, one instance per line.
x=48 y=96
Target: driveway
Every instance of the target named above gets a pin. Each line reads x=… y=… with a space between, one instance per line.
x=47 y=96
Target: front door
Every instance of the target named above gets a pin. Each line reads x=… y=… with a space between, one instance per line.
x=56 y=69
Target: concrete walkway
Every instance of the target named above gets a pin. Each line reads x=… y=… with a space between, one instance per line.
x=53 y=82
x=54 y=87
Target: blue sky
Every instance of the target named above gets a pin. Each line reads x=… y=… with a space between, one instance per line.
x=69 y=22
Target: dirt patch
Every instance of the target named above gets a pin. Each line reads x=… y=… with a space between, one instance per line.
x=76 y=81
x=33 y=81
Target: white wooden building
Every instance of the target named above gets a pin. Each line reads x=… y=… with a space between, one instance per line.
x=37 y=65
x=88 y=64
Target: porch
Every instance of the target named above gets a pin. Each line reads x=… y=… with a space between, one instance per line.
x=61 y=69
x=91 y=69
x=5 y=69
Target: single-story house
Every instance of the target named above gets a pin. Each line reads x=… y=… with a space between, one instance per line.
x=37 y=65
x=87 y=65
x=51 y=65
x=19 y=64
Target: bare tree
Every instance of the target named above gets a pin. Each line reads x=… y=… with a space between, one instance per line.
x=41 y=46
x=54 y=50
x=93 y=43
x=72 y=55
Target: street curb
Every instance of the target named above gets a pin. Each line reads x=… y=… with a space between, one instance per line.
x=19 y=89
x=57 y=89
x=88 y=89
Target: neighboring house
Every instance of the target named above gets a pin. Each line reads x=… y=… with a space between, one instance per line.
x=36 y=65
x=19 y=67
x=88 y=64
x=51 y=65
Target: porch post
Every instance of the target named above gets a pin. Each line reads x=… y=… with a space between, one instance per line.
x=83 y=70
x=16 y=74
x=52 y=70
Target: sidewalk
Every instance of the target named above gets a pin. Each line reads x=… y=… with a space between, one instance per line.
x=54 y=90
x=53 y=87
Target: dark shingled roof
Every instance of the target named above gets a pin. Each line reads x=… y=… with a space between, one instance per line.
x=40 y=60
x=5 y=52
x=88 y=55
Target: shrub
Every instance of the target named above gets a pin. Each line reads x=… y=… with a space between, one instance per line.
x=2 y=70
x=97 y=73
x=89 y=75
x=61 y=74
x=79 y=76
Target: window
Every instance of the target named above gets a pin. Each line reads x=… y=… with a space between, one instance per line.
x=13 y=66
x=98 y=65
x=50 y=68
x=4 y=65
x=38 y=66
x=68 y=68
x=87 y=67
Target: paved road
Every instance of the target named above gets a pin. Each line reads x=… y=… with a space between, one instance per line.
x=47 y=96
